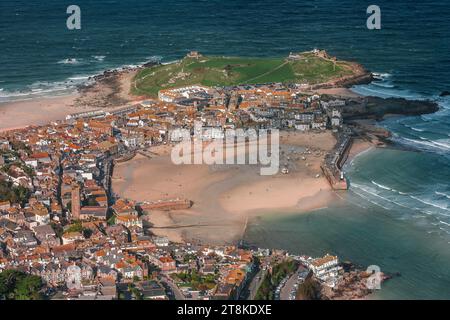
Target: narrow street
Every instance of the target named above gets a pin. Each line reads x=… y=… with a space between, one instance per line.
x=177 y=293
x=288 y=288
x=256 y=282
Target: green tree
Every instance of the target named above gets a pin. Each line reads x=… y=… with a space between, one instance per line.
x=76 y=226
x=309 y=290
x=13 y=194
x=91 y=201
x=273 y=279
x=17 y=285
x=265 y=290
x=112 y=220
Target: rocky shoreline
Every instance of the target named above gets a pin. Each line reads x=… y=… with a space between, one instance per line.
x=109 y=89
x=363 y=114
x=360 y=76
x=378 y=108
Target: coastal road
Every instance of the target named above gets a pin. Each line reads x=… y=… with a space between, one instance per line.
x=177 y=292
x=288 y=287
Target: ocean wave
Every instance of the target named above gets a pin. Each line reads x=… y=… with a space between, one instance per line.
x=370 y=200
x=445 y=143
x=373 y=193
x=433 y=204
x=382 y=84
x=79 y=78
x=384 y=92
x=154 y=59
x=443 y=222
x=68 y=86
x=381 y=76
x=69 y=61
x=395 y=201
x=434 y=213
x=427 y=144
x=389 y=188
x=8 y=94
x=43 y=89
x=426 y=118
x=382 y=186
x=442 y=194
x=417 y=129
x=99 y=58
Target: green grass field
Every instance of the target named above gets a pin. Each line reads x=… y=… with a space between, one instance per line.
x=226 y=71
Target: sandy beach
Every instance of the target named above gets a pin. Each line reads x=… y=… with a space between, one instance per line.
x=342 y=92
x=19 y=114
x=107 y=92
x=225 y=197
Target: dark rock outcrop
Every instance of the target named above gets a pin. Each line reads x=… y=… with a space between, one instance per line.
x=376 y=108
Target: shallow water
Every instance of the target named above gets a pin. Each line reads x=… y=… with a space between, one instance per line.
x=369 y=230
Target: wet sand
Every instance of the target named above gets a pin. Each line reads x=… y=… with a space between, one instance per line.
x=225 y=197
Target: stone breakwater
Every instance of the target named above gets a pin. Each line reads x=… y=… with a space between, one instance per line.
x=335 y=160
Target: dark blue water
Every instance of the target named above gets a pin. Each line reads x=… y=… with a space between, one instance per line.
x=412 y=46
x=397 y=213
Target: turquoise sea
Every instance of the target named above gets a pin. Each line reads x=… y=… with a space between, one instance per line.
x=397 y=212
x=376 y=226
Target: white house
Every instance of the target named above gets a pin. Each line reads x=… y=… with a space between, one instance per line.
x=302 y=126
x=336 y=121
x=326 y=269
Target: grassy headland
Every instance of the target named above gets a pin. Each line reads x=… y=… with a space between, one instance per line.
x=228 y=71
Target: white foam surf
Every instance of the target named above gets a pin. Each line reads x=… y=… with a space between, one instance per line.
x=445 y=223
x=383 y=85
x=442 y=194
x=370 y=200
x=439 y=145
x=382 y=186
x=381 y=76
x=373 y=193
x=69 y=61
x=99 y=58
x=430 y=203
x=42 y=89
